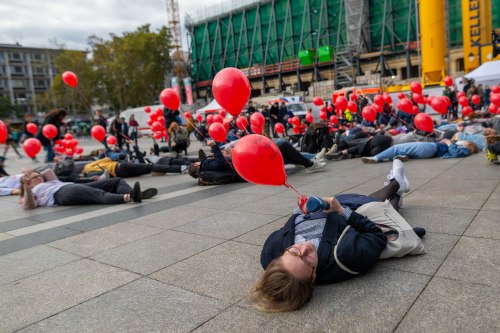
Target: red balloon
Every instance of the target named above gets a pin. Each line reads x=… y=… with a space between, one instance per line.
x=296 y=130
x=258 y=160
x=157 y=127
x=492 y=108
x=257 y=119
x=279 y=128
x=296 y=121
x=147 y=109
x=448 y=81
x=379 y=100
x=59 y=148
x=32 y=147
x=322 y=115
x=401 y=95
x=161 y=120
x=218 y=119
x=387 y=98
x=352 y=106
x=111 y=140
x=98 y=132
x=462 y=100
x=32 y=128
x=329 y=108
x=429 y=99
x=70 y=79
x=460 y=94
x=69 y=152
x=495 y=89
x=341 y=103
x=495 y=99
x=256 y=129
x=157 y=135
x=415 y=109
x=423 y=122
x=475 y=99
x=377 y=108
x=290 y=121
x=68 y=136
x=199 y=117
x=231 y=89
x=222 y=113
x=310 y=118
x=318 y=101
x=49 y=131
x=170 y=99
x=187 y=115
x=418 y=98
x=217 y=132
x=158 y=112
x=354 y=97
x=242 y=123
x=79 y=150
x=416 y=87
x=446 y=99
x=406 y=105
x=439 y=104
x=323 y=108
x=226 y=122
x=466 y=110
x=150 y=122
x=3 y=132
x=369 y=114
x=334 y=120
x=210 y=119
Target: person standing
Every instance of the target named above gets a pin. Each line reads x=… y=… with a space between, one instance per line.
x=134 y=127
x=54 y=117
x=251 y=109
x=101 y=120
x=274 y=113
x=117 y=130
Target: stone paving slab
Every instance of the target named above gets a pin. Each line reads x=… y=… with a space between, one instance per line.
x=475 y=260
x=155 y=252
x=223 y=272
x=39 y=296
x=493 y=202
x=486 y=224
x=454 y=306
x=175 y=217
x=31 y=261
x=259 y=235
x=144 y=305
x=103 y=239
x=448 y=199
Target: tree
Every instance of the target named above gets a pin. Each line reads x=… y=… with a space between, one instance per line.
x=131 y=69
x=7 y=109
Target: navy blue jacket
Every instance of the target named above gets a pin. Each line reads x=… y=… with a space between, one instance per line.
x=358 y=250
x=217 y=163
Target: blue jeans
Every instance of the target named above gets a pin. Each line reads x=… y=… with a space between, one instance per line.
x=50 y=153
x=410 y=149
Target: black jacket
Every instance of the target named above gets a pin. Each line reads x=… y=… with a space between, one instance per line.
x=358 y=250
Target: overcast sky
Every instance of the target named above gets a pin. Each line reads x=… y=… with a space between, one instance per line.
x=34 y=23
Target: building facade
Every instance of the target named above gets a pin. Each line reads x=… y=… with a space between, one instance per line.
x=26 y=72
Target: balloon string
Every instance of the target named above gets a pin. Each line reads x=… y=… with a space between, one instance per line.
x=301 y=200
x=197 y=130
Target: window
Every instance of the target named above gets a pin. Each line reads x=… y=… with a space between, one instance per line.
x=16 y=70
x=40 y=83
x=15 y=56
x=460 y=65
x=38 y=71
x=18 y=84
x=37 y=56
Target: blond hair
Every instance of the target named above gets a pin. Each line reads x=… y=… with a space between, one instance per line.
x=279 y=291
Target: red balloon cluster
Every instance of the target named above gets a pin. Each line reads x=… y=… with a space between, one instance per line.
x=32 y=147
x=258 y=160
x=70 y=79
x=68 y=146
x=157 y=122
x=170 y=99
x=231 y=89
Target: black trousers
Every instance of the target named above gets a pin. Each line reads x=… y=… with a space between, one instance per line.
x=376 y=145
x=104 y=192
x=292 y=155
x=127 y=169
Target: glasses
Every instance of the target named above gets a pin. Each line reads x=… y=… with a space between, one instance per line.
x=36 y=176
x=294 y=251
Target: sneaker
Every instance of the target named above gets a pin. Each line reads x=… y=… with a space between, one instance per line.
x=184 y=169
x=201 y=154
x=136 y=194
x=402 y=158
x=315 y=167
x=492 y=157
x=320 y=155
x=149 y=193
x=398 y=173
x=419 y=231
x=369 y=160
x=105 y=175
x=334 y=149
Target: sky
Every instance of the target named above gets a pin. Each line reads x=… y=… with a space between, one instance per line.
x=34 y=23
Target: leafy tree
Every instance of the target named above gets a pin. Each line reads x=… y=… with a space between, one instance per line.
x=7 y=109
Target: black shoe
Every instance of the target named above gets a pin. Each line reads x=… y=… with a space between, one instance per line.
x=419 y=231
x=149 y=193
x=136 y=194
x=334 y=156
x=201 y=154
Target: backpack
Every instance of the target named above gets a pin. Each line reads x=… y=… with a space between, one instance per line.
x=218 y=177
x=64 y=167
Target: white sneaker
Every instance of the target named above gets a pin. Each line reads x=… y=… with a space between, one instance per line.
x=369 y=160
x=398 y=173
x=402 y=158
x=315 y=167
x=320 y=155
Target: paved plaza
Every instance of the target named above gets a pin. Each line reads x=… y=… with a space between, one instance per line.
x=184 y=260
